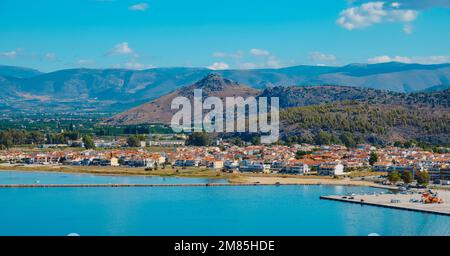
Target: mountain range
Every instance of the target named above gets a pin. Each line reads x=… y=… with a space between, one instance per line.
x=159 y=110
x=116 y=90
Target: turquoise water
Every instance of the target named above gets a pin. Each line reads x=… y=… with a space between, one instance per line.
x=262 y=210
x=18 y=177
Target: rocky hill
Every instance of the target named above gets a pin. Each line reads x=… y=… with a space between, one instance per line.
x=159 y=110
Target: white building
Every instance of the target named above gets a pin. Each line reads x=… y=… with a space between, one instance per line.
x=298 y=168
x=330 y=169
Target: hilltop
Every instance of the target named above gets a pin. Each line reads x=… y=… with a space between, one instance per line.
x=159 y=111
x=295 y=96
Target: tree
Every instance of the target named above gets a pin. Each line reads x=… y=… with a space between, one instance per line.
x=407 y=177
x=398 y=144
x=56 y=138
x=35 y=137
x=6 y=140
x=72 y=135
x=323 y=138
x=134 y=141
x=394 y=177
x=348 y=139
x=88 y=142
x=256 y=140
x=237 y=141
x=373 y=158
x=199 y=139
x=423 y=178
x=300 y=154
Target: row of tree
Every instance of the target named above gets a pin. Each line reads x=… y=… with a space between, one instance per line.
x=423 y=178
x=12 y=137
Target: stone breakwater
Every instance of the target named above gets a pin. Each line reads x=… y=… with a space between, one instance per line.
x=135 y=185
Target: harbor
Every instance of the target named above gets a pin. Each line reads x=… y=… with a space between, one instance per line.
x=419 y=201
x=155 y=201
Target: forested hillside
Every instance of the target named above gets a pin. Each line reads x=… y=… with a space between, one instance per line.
x=364 y=122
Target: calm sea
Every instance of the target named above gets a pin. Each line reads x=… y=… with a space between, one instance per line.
x=262 y=210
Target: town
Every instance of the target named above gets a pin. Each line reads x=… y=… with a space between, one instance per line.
x=307 y=160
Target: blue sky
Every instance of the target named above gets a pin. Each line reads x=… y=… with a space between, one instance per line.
x=51 y=35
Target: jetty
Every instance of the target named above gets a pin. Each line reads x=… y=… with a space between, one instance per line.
x=136 y=185
x=409 y=202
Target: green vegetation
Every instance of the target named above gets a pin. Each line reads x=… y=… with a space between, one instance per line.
x=407 y=177
x=6 y=140
x=297 y=96
x=12 y=137
x=423 y=178
x=324 y=138
x=131 y=129
x=88 y=142
x=199 y=139
x=373 y=158
x=350 y=123
x=394 y=177
x=300 y=154
x=349 y=140
x=88 y=123
x=134 y=141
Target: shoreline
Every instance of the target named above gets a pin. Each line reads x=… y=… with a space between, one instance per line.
x=235 y=179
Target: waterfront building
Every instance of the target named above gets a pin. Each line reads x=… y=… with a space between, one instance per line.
x=298 y=168
x=440 y=174
x=330 y=169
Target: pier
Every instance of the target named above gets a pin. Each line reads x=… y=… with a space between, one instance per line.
x=136 y=185
x=398 y=201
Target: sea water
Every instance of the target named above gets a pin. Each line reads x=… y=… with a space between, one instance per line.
x=254 y=210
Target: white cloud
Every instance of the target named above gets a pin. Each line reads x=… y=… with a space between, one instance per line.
x=370 y=13
x=432 y=59
x=21 y=53
x=408 y=4
x=219 y=66
x=83 y=62
x=420 y=4
x=273 y=62
x=403 y=59
x=10 y=54
x=402 y=15
x=408 y=29
x=385 y=58
x=251 y=59
x=320 y=57
x=122 y=48
x=395 y=5
x=50 y=56
x=259 y=52
x=139 y=7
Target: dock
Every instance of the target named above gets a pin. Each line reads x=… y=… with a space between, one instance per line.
x=136 y=185
x=398 y=201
